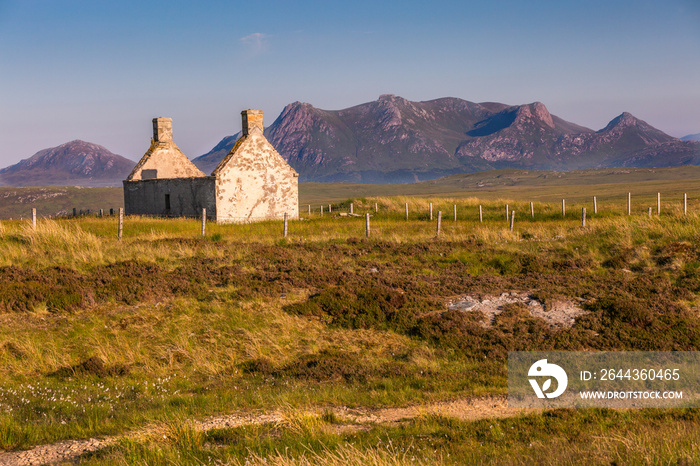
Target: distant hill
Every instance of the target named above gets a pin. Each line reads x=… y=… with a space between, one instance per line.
x=393 y=140
x=75 y=163
x=691 y=137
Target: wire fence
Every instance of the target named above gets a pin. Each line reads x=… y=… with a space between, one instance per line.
x=473 y=211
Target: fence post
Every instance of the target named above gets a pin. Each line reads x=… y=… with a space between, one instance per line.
x=583 y=217
x=204 y=221
x=309 y=210
x=376 y=208
x=481 y=215
x=629 y=203
x=439 y=222
x=658 y=203
x=512 y=220
x=563 y=207
x=507 y=213
x=595 y=205
x=685 y=203
x=102 y=213
x=352 y=208
x=330 y=208
x=34 y=218
x=75 y=212
x=367 y=225
x=121 y=222
x=321 y=210
x=431 y=211
x=455 y=208
x=650 y=212
x=111 y=212
x=286 y=221
x=532 y=209
x=407 y=211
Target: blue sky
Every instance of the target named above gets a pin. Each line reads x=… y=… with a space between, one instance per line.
x=101 y=70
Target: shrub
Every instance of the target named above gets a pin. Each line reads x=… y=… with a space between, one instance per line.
x=377 y=307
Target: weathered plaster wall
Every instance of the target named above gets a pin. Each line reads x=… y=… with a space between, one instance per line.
x=168 y=162
x=187 y=197
x=163 y=159
x=255 y=183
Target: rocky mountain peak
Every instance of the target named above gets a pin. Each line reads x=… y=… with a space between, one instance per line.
x=627 y=126
x=394 y=101
x=390 y=98
x=390 y=114
x=295 y=108
x=541 y=112
x=624 y=120
x=536 y=112
x=297 y=116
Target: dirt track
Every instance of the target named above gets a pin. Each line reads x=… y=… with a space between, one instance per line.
x=467 y=409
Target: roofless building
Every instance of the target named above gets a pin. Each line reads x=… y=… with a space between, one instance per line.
x=252 y=183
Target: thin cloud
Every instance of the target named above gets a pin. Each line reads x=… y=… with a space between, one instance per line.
x=256 y=42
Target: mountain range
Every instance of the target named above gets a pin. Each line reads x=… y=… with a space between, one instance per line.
x=73 y=163
x=394 y=140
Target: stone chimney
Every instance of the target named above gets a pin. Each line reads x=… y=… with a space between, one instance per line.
x=162 y=129
x=252 y=121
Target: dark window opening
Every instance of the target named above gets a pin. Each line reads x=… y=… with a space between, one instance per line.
x=149 y=174
x=167 y=202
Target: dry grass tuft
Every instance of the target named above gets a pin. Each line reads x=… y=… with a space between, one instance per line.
x=348 y=454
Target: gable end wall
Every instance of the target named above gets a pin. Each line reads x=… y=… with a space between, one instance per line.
x=256 y=184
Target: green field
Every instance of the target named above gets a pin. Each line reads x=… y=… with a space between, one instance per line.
x=17 y=203
x=609 y=185
x=165 y=328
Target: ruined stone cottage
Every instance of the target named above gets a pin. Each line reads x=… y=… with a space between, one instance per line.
x=252 y=183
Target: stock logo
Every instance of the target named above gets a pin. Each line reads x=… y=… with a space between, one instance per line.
x=542 y=369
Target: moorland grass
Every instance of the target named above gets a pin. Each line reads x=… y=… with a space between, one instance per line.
x=587 y=437
x=100 y=336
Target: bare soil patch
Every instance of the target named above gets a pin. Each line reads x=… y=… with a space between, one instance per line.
x=560 y=313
